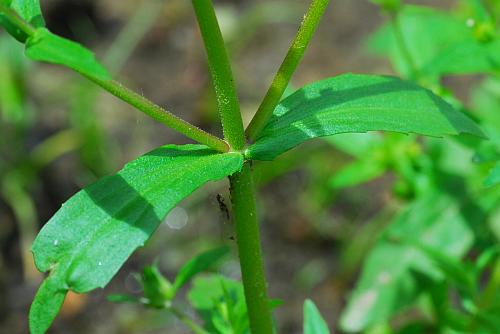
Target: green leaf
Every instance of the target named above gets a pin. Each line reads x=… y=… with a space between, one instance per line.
x=353 y=103
x=157 y=289
x=418 y=27
x=220 y=302
x=494 y=177
x=466 y=57
x=390 y=280
x=93 y=234
x=30 y=11
x=313 y=321
x=47 y=47
x=198 y=264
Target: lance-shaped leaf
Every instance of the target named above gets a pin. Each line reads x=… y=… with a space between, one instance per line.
x=313 y=321
x=353 y=103
x=93 y=234
x=45 y=46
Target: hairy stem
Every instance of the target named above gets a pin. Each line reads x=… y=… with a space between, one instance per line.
x=242 y=191
x=138 y=101
x=287 y=68
x=222 y=76
x=159 y=114
x=249 y=249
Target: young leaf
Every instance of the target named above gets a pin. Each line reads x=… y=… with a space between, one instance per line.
x=353 y=103
x=30 y=11
x=494 y=177
x=220 y=302
x=313 y=321
x=47 y=47
x=93 y=234
x=197 y=265
x=157 y=289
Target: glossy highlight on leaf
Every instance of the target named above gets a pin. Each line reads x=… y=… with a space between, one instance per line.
x=93 y=234
x=47 y=47
x=355 y=103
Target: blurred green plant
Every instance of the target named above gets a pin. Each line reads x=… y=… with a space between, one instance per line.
x=425 y=255
x=87 y=241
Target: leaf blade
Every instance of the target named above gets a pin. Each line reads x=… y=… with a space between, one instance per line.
x=313 y=321
x=92 y=235
x=354 y=103
x=47 y=47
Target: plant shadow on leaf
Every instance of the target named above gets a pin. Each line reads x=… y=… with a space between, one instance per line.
x=373 y=103
x=93 y=234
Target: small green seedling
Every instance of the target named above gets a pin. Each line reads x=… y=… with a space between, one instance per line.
x=87 y=241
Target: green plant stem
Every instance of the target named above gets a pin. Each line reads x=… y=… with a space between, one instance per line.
x=138 y=101
x=187 y=321
x=222 y=77
x=16 y=20
x=242 y=191
x=287 y=68
x=249 y=249
x=161 y=115
x=403 y=47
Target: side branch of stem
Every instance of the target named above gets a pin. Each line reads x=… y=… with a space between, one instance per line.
x=287 y=68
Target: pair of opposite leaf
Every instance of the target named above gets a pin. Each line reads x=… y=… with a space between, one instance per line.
x=92 y=235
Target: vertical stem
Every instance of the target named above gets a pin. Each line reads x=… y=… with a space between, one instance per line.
x=249 y=248
x=222 y=76
x=242 y=191
x=288 y=67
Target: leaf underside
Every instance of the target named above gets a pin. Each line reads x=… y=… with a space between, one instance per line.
x=95 y=231
x=355 y=103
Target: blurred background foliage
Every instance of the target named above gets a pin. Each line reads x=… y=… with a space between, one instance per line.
x=387 y=233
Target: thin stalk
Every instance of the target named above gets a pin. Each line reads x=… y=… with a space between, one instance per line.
x=159 y=114
x=287 y=68
x=249 y=249
x=138 y=101
x=222 y=76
